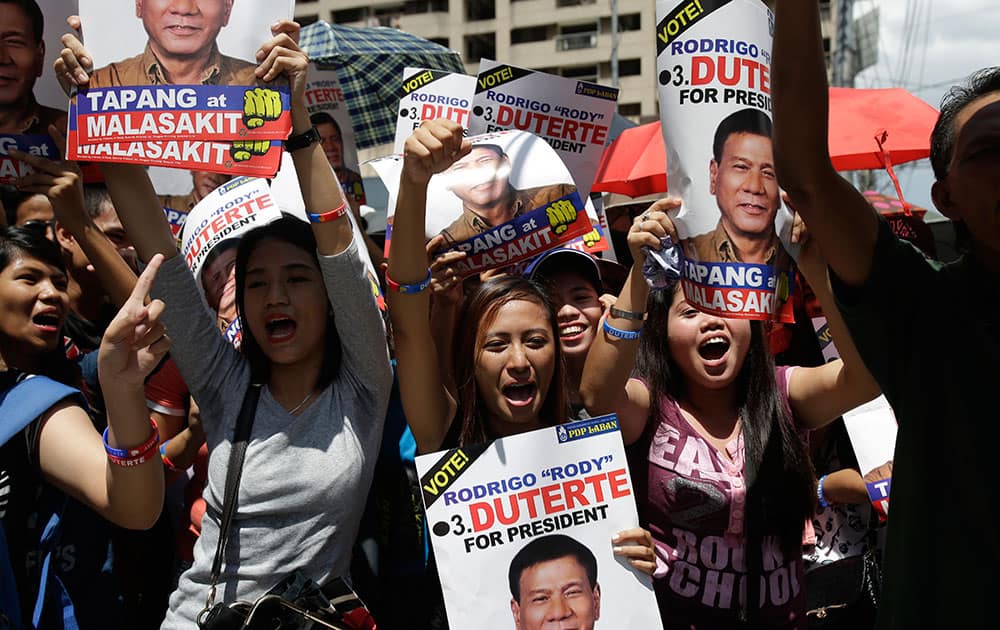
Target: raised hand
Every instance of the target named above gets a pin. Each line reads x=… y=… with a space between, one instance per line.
x=652 y=225
x=60 y=181
x=281 y=55
x=135 y=341
x=433 y=147
x=74 y=63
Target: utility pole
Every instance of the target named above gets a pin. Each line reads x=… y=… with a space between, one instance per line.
x=843 y=75
x=614 y=43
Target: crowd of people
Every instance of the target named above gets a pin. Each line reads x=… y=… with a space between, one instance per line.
x=741 y=466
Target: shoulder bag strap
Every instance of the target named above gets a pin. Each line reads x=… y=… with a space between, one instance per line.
x=241 y=436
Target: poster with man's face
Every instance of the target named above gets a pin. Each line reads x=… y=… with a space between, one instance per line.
x=175 y=85
x=715 y=112
x=509 y=199
x=522 y=528
x=30 y=96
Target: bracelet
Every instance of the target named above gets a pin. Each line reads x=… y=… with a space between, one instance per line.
x=819 y=492
x=409 y=288
x=621 y=334
x=133 y=456
x=305 y=139
x=329 y=215
x=163 y=455
x=630 y=315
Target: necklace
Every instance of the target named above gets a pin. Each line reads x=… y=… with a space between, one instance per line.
x=294 y=409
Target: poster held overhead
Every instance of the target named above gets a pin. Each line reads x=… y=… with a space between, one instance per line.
x=509 y=199
x=430 y=94
x=713 y=59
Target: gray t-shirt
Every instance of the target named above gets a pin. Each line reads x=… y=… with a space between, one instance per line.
x=306 y=477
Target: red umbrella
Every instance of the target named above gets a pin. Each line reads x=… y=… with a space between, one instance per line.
x=635 y=163
x=858 y=116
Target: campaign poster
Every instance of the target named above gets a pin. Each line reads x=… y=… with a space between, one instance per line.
x=329 y=114
x=179 y=82
x=431 y=94
x=713 y=73
x=511 y=198
x=29 y=92
x=573 y=116
x=524 y=523
x=12 y=170
x=232 y=209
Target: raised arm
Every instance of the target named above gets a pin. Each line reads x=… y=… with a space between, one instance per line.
x=819 y=395
x=71 y=454
x=840 y=219
x=606 y=386
x=428 y=406
x=133 y=195
x=320 y=190
x=62 y=183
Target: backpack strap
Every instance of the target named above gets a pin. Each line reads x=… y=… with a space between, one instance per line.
x=23 y=403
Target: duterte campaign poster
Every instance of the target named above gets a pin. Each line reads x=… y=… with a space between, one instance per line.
x=431 y=94
x=232 y=209
x=532 y=514
x=32 y=96
x=713 y=73
x=140 y=108
x=509 y=199
x=573 y=116
x=328 y=113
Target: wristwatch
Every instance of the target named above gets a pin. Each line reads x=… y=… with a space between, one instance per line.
x=302 y=140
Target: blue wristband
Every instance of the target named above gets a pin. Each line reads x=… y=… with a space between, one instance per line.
x=819 y=492
x=409 y=288
x=621 y=334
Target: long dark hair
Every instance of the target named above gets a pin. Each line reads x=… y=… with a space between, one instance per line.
x=778 y=471
x=478 y=312
x=18 y=242
x=296 y=232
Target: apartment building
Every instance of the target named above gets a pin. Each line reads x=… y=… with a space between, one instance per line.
x=571 y=38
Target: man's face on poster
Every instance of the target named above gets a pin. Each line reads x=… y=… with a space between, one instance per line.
x=745 y=186
x=183 y=29
x=480 y=178
x=332 y=143
x=206 y=182
x=21 y=58
x=556 y=594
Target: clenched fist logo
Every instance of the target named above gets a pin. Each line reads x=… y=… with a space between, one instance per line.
x=561 y=215
x=260 y=105
x=243 y=150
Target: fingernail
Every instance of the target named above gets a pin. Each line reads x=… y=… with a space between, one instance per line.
x=616 y=538
x=617 y=549
x=81 y=76
x=85 y=61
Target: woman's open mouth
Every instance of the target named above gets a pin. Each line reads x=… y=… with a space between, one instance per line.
x=714 y=349
x=48 y=322
x=519 y=394
x=571 y=332
x=280 y=328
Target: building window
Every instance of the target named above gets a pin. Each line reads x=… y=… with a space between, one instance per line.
x=630 y=109
x=440 y=41
x=577 y=36
x=480 y=46
x=629 y=67
x=480 y=10
x=425 y=6
x=630 y=22
x=574 y=3
x=359 y=14
x=306 y=20
x=583 y=73
x=529 y=34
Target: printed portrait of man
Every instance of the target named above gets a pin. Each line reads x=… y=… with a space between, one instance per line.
x=481 y=180
x=332 y=141
x=742 y=179
x=181 y=48
x=553 y=584
x=22 y=59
